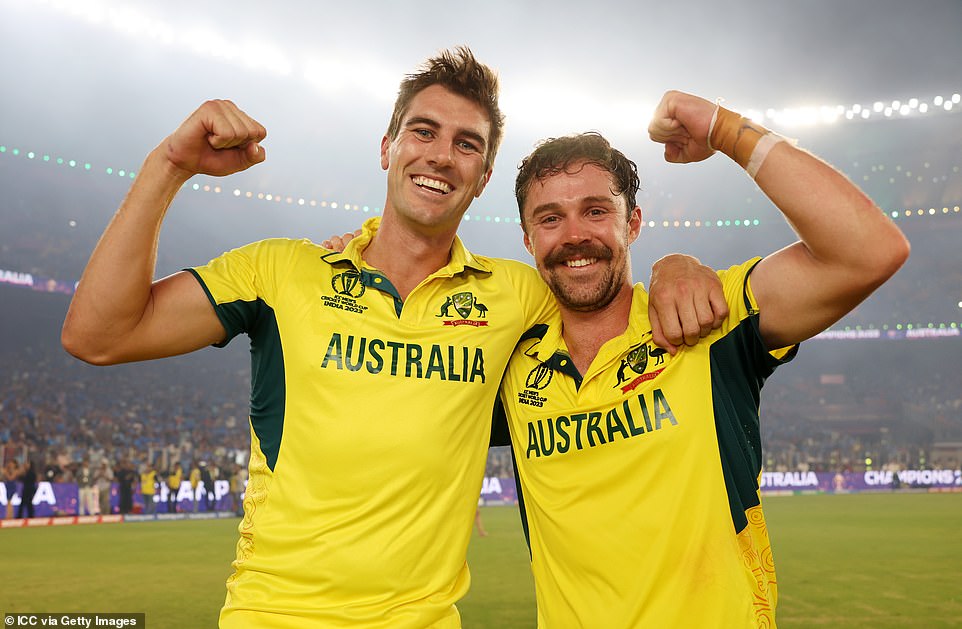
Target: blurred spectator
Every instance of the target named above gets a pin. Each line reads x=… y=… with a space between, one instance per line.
x=148 y=487
x=238 y=481
x=52 y=472
x=194 y=480
x=89 y=503
x=28 y=476
x=104 y=478
x=10 y=474
x=175 y=477
x=125 y=476
x=207 y=482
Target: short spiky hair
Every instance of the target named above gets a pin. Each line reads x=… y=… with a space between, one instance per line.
x=458 y=71
x=557 y=155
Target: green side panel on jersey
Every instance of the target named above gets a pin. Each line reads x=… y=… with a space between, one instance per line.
x=739 y=366
x=268 y=391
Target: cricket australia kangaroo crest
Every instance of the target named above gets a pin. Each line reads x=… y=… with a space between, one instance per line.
x=464 y=304
x=634 y=366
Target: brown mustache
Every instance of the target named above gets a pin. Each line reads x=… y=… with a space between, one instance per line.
x=575 y=252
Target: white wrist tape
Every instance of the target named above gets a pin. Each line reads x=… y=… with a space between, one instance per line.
x=711 y=125
x=761 y=151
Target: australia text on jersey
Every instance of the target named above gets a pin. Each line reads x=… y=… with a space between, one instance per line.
x=408 y=360
x=638 y=415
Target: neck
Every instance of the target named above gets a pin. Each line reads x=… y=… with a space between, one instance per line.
x=586 y=332
x=406 y=255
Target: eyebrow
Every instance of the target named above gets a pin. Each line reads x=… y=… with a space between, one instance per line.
x=434 y=124
x=552 y=205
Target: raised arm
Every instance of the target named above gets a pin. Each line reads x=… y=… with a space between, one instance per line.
x=847 y=246
x=118 y=314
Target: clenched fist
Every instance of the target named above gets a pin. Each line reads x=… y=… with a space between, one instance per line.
x=681 y=122
x=217 y=139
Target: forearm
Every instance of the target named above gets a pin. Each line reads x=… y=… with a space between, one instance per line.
x=115 y=289
x=847 y=246
x=837 y=223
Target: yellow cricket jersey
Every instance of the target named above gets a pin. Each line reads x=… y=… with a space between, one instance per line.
x=370 y=421
x=639 y=479
x=147 y=482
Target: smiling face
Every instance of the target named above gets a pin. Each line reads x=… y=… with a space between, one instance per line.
x=579 y=231
x=436 y=163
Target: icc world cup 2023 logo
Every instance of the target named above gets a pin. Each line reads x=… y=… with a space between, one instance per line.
x=348 y=284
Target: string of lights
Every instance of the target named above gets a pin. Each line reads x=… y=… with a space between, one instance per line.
x=831 y=114
x=297 y=200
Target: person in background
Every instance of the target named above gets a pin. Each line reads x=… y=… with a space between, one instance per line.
x=478 y=524
x=175 y=477
x=28 y=479
x=126 y=476
x=194 y=480
x=148 y=487
x=207 y=482
x=238 y=481
x=52 y=471
x=10 y=473
x=88 y=495
x=105 y=479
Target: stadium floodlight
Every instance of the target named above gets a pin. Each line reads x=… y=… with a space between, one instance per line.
x=574 y=107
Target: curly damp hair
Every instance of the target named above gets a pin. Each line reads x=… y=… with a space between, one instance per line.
x=458 y=71
x=569 y=154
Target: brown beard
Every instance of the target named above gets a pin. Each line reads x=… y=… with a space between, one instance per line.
x=574 y=297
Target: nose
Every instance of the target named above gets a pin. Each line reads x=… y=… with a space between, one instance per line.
x=574 y=231
x=441 y=155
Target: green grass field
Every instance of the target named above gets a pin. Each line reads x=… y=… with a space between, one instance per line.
x=872 y=561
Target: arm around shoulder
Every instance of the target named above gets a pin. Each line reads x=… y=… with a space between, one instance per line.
x=685 y=301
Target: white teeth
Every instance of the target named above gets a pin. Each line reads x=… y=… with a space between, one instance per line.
x=433 y=184
x=581 y=262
